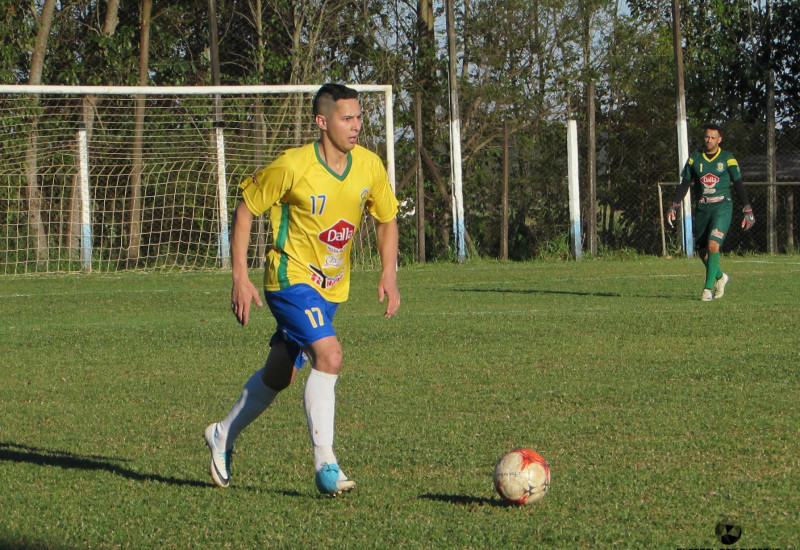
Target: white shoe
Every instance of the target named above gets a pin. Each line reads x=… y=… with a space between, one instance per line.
x=719 y=286
x=220 y=468
x=707 y=295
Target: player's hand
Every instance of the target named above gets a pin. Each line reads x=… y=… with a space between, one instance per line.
x=243 y=294
x=387 y=287
x=749 y=219
x=672 y=215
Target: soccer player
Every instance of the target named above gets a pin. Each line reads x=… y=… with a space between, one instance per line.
x=712 y=171
x=316 y=195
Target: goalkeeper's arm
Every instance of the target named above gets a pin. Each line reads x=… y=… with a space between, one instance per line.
x=749 y=219
x=680 y=192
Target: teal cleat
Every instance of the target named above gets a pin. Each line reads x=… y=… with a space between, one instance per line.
x=330 y=479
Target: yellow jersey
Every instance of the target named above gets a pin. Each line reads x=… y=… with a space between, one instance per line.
x=314 y=214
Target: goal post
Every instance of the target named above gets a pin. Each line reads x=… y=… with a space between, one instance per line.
x=143 y=177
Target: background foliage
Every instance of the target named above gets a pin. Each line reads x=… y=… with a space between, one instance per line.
x=527 y=64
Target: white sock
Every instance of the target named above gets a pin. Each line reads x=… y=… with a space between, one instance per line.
x=253 y=401
x=319 y=399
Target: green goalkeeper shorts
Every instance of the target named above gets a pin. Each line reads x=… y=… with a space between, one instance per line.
x=711 y=223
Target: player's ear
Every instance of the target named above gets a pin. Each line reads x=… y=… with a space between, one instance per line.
x=321 y=121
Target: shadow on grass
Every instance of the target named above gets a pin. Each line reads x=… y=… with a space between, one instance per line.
x=12 y=452
x=539 y=291
x=9 y=543
x=466 y=500
x=561 y=292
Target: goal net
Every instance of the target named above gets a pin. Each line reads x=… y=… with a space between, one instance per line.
x=97 y=178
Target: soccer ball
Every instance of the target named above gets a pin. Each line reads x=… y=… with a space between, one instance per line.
x=522 y=476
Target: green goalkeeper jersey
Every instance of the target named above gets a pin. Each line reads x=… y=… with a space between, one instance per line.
x=713 y=175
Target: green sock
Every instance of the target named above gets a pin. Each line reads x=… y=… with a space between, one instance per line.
x=712 y=268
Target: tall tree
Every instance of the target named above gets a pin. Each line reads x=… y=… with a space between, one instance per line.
x=135 y=198
x=34 y=193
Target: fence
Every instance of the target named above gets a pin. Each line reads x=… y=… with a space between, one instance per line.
x=635 y=165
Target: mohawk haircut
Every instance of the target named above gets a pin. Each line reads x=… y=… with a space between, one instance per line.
x=331 y=93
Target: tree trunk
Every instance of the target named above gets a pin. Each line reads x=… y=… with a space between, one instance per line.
x=504 y=196
x=89 y=103
x=420 y=203
x=135 y=228
x=32 y=189
x=591 y=160
x=261 y=125
x=112 y=18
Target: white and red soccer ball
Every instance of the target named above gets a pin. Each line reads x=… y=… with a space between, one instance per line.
x=522 y=476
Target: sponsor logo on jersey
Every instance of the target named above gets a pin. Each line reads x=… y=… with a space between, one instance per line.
x=338 y=235
x=709 y=180
x=333 y=260
x=322 y=280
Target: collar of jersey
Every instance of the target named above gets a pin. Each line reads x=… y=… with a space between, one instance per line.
x=709 y=159
x=328 y=168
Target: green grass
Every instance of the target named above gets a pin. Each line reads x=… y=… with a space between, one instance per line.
x=659 y=414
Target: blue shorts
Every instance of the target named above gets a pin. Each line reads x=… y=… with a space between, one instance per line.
x=303 y=316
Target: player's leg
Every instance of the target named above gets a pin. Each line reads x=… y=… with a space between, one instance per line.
x=702 y=227
x=720 y=221
x=712 y=265
x=308 y=322
x=319 y=399
x=257 y=395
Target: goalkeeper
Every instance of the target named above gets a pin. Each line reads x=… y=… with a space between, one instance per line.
x=316 y=196
x=712 y=171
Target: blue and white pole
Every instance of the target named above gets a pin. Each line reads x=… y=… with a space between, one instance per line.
x=683 y=156
x=574 y=192
x=86 y=201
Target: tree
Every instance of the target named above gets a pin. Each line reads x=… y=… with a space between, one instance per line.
x=135 y=226
x=34 y=193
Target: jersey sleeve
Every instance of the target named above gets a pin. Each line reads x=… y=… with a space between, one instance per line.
x=382 y=203
x=686 y=173
x=267 y=186
x=733 y=169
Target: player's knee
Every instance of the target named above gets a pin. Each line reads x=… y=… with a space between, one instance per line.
x=713 y=247
x=330 y=361
x=326 y=355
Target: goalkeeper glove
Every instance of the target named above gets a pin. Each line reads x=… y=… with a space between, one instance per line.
x=671 y=215
x=749 y=219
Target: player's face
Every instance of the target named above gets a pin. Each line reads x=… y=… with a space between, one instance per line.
x=711 y=140
x=343 y=124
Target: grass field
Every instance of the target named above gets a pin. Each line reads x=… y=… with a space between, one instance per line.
x=660 y=415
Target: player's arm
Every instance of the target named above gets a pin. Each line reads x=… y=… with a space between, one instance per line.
x=387 y=237
x=680 y=192
x=244 y=292
x=749 y=219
